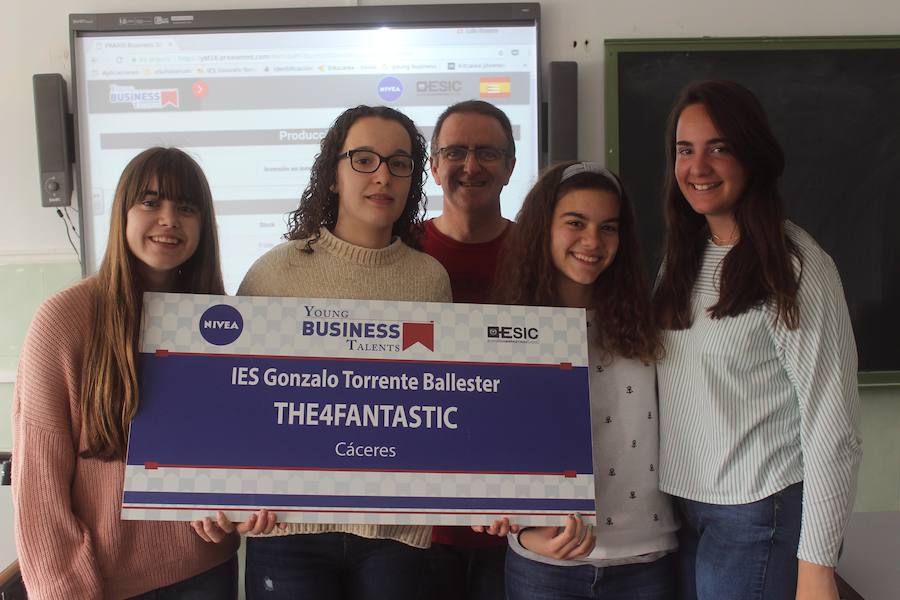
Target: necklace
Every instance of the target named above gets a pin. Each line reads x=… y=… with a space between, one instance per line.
x=720 y=241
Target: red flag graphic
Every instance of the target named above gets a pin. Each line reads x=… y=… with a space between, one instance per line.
x=422 y=333
x=169 y=98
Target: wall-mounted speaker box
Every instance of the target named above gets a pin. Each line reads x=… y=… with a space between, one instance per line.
x=54 y=139
x=562 y=112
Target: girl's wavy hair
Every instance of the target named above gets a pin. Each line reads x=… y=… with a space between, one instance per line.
x=319 y=204
x=759 y=269
x=109 y=384
x=621 y=297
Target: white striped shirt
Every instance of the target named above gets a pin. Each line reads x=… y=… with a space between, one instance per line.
x=749 y=407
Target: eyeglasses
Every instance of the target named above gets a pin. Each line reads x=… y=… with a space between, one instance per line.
x=367 y=161
x=483 y=154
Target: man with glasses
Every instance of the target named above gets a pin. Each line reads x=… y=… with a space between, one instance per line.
x=472 y=158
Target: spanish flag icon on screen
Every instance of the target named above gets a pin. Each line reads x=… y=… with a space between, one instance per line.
x=494 y=87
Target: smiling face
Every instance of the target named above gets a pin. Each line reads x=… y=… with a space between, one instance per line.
x=370 y=203
x=584 y=239
x=470 y=186
x=708 y=174
x=162 y=234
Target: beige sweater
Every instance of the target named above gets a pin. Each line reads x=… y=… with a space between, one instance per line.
x=70 y=540
x=337 y=269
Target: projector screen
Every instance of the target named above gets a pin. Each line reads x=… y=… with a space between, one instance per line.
x=252 y=101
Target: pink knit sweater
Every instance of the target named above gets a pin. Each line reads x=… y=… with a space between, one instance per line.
x=70 y=541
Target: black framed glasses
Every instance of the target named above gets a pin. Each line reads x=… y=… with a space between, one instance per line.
x=483 y=154
x=367 y=161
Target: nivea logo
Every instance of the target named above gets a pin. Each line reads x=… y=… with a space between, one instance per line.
x=390 y=89
x=221 y=324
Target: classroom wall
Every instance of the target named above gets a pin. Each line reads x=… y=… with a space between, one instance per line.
x=34 y=39
x=36 y=259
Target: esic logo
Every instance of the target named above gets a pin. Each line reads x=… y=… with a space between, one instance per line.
x=221 y=324
x=390 y=89
x=143 y=99
x=512 y=333
x=438 y=87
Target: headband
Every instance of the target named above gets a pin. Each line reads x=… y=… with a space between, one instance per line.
x=591 y=167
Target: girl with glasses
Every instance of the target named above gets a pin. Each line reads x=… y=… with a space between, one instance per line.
x=575 y=245
x=353 y=236
x=77 y=391
x=758 y=398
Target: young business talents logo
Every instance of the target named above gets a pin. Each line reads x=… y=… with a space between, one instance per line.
x=365 y=335
x=143 y=99
x=221 y=324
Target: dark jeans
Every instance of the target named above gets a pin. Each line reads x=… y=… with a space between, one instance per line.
x=742 y=551
x=461 y=573
x=531 y=580
x=218 y=583
x=334 y=566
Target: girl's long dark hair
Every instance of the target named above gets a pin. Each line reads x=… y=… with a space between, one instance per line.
x=759 y=269
x=109 y=383
x=621 y=296
x=319 y=204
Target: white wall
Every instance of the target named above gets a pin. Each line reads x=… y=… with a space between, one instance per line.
x=34 y=39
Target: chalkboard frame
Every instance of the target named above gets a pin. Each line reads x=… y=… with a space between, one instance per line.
x=616 y=47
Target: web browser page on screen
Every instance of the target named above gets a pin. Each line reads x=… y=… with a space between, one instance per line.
x=253 y=107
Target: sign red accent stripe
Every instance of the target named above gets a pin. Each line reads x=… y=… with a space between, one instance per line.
x=157 y=465
x=163 y=352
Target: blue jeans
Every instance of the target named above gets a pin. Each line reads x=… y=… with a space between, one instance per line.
x=218 y=583
x=530 y=580
x=741 y=551
x=461 y=573
x=334 y=566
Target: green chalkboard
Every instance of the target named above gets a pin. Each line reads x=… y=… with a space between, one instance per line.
x=834 y=104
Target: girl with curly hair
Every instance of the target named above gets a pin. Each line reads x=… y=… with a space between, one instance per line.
x=352 y=237
x=575 y=245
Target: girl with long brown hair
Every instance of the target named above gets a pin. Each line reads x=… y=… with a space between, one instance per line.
x=77 y=391
x=575 y=245
x=758 y=399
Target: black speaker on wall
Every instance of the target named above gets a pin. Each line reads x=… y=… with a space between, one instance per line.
x=562 y=112
x=54 y=139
